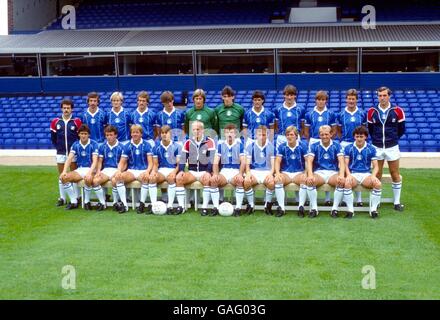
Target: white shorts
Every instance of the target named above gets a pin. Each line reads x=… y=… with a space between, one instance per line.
x=109 y=172
x=389 y=154
x=165 y=171
x=82 y=171
x=61 y=158
x=360 y=177
x=313 y=140
x=292 y=175
x=197 y=174
x=136 y=173
x=326 y=174
x=260 y=175
x=229 y=173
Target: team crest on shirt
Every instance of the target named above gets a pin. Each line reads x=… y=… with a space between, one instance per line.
x=141 y=120
x=93 y=121
x=117 y=120
x=229 y=154
x=384 y=116
x=353 y=119
x=72 y=128
x=394 y=120
x=289 y=114
x=169 y=121
x=326 y=156
x=258 y=120
x=58 y=127
x=166 y=155
x=199 y=117
x=293 y=157
x=83 y=153
x=262 y=155
x=204 y=151
x=110 y=155
x=320 y=119
x=138 y=152
x=359 y=157
x=229 y=113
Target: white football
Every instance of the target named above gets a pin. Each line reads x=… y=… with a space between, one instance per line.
x=159 y=208
x=226 y=209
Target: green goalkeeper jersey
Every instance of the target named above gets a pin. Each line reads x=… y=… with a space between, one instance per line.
x=227 y=115
x=205 y=115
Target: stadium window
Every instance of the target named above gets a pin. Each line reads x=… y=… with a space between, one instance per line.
x=152 y=63
x=235 y=61
x=78 y=64
x=400 y=59
x=317 y=60
x=18 y=66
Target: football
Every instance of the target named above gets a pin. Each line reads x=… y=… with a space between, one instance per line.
x=226 y=209
x=159 y=208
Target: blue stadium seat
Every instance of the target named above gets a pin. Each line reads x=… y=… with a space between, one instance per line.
x=416 y=146
x=431 y=146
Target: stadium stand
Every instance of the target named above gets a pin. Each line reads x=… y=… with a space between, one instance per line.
x=24 y=121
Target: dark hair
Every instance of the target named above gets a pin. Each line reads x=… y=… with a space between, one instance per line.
x=290 y=89
x=383 y=89
x=67 y=102
x=230 y=126
x=84 y=128
x=360 y=130
x=165 y=129
x=92 y=95
x=111 y=128
x=352 y=92
x=228 y=91
x=258 y=94
x=321 y=94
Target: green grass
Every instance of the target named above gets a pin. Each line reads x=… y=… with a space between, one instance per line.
x=193 y=257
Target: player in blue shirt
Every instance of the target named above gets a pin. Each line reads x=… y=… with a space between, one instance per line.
x=359 y=157
x=349 y=119
x=229 y=165
x=136 y=164
x=166 y=157
x=95 y=118
x=288 y=114
x=109 y=155
x=119 y=118
x=257 y=116
x=145 y=117
x=325 y=164
x=290 y=165
x=170 y=116
x=85 y=153
x=316 y=118
x=260 y=168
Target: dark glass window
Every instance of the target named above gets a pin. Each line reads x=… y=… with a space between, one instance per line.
x=18 y=65
x=73 y=64
x=148 y=63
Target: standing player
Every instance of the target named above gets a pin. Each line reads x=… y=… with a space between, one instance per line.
x=290 y=163
x=109 y=156
x=316 y=118
x=85 y=153
x=63 y=133
x=386 y=124
x=201 y=112
x=359 y=156
x=170 y=116
x=166 y=157
x=348 y=120
x=257 y=116
x=145 y=118
x=289 y=114
x=119 y=118
x=260 y=166
x=325 y=164
x=229 y=112
x=136 y=164
x=95 y=118
x=229 y=165
x=198 y=152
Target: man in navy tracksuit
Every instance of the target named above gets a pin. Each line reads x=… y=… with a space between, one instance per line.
x=386 y=124
x=63 y=133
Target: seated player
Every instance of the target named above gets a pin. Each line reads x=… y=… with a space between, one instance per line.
x=166 y=157
x=137 y=158
x=289 y=167
x=325 y=164
x=85 y=151
x=359 y=156
x=198 y=152
x=229 y=165
x=109 y=155
x=260 y=169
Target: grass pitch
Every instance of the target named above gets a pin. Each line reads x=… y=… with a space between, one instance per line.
x=194 y=257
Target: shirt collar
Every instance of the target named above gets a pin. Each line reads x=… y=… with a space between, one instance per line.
x=122 y=109
x=320 y=112
x=137 y=145
x=296 y=145
x=93 y=114
x=84 y=146
x=115 y=145
x=166 y=147
x=352 y=113
x=384 y=110
x=169 y=114
x=289 y=108
x=142 y=113
x=261 y=147
x=262 y=110
x=326 y=148
x=363 y=147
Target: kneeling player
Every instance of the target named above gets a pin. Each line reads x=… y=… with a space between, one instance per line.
x=289 y=167
x=86 y=153
x=325 y=164
x=198 y=152
x=110 y=153
x=230 y=157
x=138 y=158
x=166 y=157
x=359 y=156
x=260 y=167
